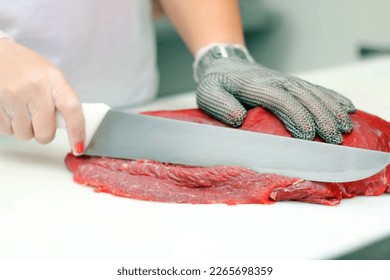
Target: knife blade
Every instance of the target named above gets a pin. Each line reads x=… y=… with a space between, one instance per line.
x=135 y=136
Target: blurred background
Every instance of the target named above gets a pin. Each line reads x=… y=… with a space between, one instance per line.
x=288 y=36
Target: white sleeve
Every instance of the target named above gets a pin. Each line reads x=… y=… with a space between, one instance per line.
x=3 y=35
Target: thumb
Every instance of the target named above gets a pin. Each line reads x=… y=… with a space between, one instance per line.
x=213 y=99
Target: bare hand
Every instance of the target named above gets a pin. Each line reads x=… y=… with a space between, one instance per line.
x=31 y=90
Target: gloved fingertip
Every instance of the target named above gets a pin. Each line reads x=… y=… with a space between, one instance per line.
x=304 y=135
x=346 y=127
x=306 y=131
x=351 y=108
x=236 y=118
x=336 y=138
x=347 y=105
x=231 y=117
x=344 y=122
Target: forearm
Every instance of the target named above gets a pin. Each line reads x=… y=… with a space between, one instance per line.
x=202 y=22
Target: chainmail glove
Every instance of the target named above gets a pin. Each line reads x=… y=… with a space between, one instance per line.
x=229 y=79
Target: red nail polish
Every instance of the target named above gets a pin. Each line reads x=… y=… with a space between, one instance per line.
x=79 y=147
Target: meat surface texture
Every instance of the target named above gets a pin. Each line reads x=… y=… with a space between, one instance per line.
x=163 y=182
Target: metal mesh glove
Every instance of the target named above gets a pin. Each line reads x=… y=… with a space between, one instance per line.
x=229 y=78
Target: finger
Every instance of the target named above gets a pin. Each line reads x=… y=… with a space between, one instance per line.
x=217 y=102
x=68 y=104
x=21 y=123
x=327 y=126
x=339 y=111
x=44 y=124
x=5 y=123
x=295 y=117
x=342 y=100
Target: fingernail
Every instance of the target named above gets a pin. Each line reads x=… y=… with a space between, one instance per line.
x=79 y=147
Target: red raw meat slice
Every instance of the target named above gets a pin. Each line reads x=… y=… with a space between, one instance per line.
x=155 y=181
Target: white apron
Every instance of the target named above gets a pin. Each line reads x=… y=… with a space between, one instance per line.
x=105 y=48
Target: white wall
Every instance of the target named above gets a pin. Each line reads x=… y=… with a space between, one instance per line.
x=314 y=34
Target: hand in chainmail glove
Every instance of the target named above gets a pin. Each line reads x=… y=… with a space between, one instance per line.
x=229 y=79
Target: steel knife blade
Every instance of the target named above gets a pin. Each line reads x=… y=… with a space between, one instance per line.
x=136 y=136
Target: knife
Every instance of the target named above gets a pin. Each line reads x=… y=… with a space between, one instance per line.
x=111 y=133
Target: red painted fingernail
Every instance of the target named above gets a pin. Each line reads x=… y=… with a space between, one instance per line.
x=79 y=147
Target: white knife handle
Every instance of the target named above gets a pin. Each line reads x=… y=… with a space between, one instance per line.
x=94 y=113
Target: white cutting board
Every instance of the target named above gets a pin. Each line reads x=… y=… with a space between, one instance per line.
x=43 y=214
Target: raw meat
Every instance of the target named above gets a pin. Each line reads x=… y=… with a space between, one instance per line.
x=155 y=181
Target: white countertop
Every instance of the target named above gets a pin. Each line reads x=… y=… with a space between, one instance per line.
x=43 y=214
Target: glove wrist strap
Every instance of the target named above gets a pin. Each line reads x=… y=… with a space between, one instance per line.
x=207 y=54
